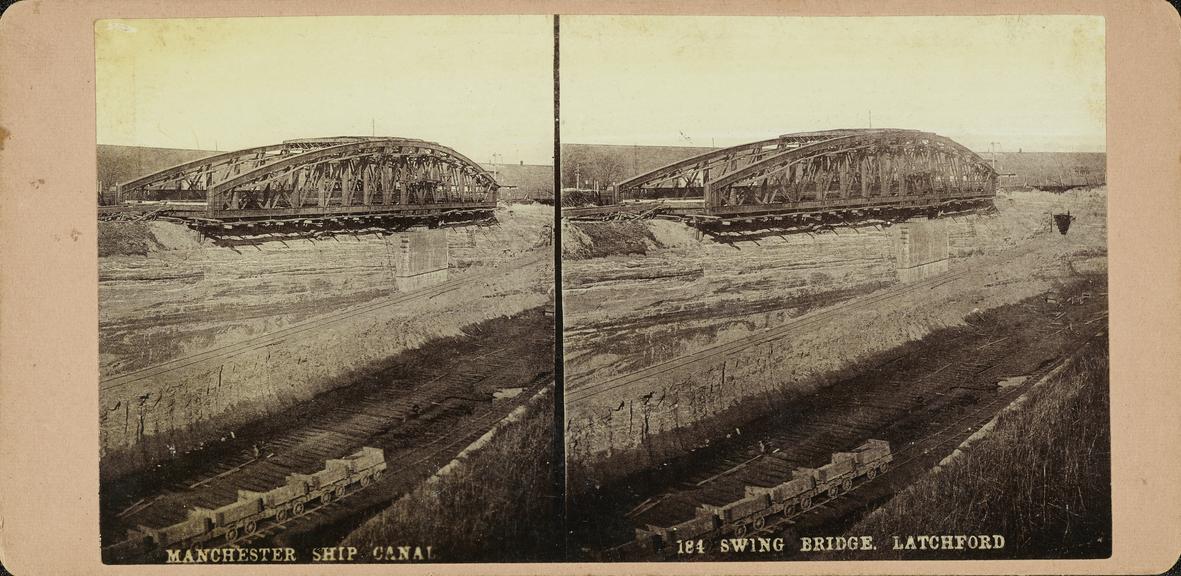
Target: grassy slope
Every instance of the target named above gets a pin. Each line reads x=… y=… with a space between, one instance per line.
x=1041 y=478
x=497 y=505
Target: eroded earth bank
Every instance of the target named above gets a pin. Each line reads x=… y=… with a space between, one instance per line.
x=228 y=367
x=696 y=367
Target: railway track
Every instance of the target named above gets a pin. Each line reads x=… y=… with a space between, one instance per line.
x=414 y=465
x=421 y=415
x=921 y=401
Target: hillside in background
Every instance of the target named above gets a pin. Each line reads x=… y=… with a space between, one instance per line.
x=122 y=163
x=1038 y=169
x=524 y=181
x=584 y=165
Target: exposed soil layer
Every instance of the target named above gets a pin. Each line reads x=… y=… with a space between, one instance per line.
x=422 y=407
x=668 y=351
x=197 y=340
x=616 y=300
x=924 y=397
x=164 y=291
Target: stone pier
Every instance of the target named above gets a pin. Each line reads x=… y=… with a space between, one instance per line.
x=921 y=249
x=422 y=259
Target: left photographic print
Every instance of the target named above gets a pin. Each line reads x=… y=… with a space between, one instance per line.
x=326 y=290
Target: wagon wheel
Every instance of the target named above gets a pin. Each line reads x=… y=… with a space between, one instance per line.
x=740 y=530
x=883 y=467
x=281 y=515
x=326 y=497
x=834 y=491
x=847 y=485
x=231 y=534
x=251 y=526
x=365 y=481
x=805 y=503
x=377 y=475
x=338 y=492
x=869 y=474
x=298 y=509
x=760 y=522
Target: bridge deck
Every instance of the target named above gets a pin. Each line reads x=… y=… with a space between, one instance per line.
x=694 y=210
x=198 y=212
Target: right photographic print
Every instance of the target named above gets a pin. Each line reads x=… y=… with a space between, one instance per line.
x=835 y=288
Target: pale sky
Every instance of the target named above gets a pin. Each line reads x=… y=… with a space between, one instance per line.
x=482 y=85
x=1031 y=82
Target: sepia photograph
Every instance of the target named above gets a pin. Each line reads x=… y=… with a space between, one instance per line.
x=326 y=290
x=569 y=288
x=835 y=288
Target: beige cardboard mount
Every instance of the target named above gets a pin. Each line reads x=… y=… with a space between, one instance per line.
x=48 y=284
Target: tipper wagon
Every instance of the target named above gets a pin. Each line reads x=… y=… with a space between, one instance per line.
x=250 y=509
x=783 y=500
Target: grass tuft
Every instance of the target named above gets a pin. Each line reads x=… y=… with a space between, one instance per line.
x=498 y=504
x=1041 y=478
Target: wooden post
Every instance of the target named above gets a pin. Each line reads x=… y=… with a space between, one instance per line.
x=707 y=195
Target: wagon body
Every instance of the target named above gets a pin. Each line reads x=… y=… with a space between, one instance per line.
x=197 y=523
x=701 y=524
x=840 y=467
x=790 y=490
x=811 y=474
x=335 y=471
x=236 y=511
x=295 y=488
x=741 y=509
x=365 y=459
x=309 y=482
x=871 y=452
x=697 y=526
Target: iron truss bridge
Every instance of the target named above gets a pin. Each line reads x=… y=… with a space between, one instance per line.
x=809 y=179
x=317 y=181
